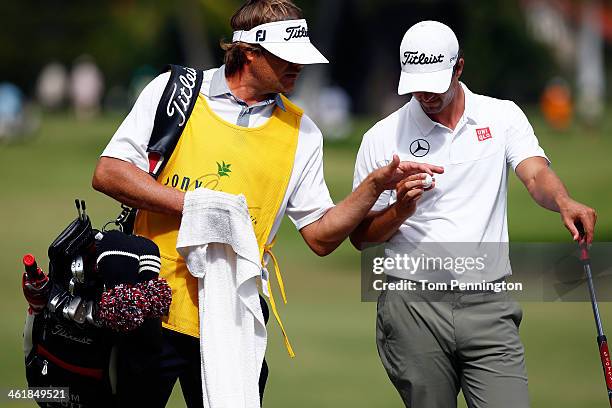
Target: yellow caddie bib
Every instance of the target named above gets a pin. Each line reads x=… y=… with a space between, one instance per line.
x=219 y=155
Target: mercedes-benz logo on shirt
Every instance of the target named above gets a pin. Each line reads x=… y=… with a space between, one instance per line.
x=419 y=147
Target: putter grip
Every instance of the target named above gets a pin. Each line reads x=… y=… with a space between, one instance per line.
x=606 y=363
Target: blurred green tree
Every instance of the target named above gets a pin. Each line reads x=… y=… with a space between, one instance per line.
x=362 y=42
x=502 y=59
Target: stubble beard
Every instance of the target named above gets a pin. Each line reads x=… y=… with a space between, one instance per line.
x=444 y=100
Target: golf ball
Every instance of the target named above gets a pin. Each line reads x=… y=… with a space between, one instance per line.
x=427 y=181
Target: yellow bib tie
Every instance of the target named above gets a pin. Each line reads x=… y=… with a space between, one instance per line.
x=279 y=278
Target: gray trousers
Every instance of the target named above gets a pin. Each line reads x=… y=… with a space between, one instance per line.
x=434 y=343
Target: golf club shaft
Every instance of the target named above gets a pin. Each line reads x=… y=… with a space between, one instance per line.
x=587 y=271
x=602 y=342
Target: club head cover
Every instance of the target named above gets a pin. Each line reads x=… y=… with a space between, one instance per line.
x=130 y=268
x=117 y=258
x=122 y=308
x=149 y=263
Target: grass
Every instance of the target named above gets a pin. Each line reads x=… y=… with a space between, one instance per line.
x=331 y=330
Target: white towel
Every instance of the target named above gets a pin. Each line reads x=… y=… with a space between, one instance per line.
x=217 y=241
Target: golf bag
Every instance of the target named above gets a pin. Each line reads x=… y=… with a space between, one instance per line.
x=99 y=333
x=64 y=345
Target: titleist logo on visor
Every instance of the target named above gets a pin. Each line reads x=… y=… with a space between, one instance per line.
x=413 y=57
x=296 y=32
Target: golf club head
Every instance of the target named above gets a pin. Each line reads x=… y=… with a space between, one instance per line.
x=58 y=300
x=71 y=286
x=78 y=269
x=80 y=313
x=89 y=314
x=66 y=308
x=71 y=307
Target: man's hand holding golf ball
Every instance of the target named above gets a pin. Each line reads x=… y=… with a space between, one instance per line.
x=410 y=190
x=409 y=180
x=396 y=172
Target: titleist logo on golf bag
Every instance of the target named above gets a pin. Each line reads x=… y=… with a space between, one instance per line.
x=296 y=32
x=61 y=331
x=413 y=57
x=180 y=102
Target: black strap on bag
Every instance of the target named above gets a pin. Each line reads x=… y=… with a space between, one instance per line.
x=173 y=112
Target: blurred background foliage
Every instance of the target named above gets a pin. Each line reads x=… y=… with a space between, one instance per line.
x=362 y=40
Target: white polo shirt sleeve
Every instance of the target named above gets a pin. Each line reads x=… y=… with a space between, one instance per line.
x=130 y=141
x=309 y=200
x=521 y=141
x=369 y=158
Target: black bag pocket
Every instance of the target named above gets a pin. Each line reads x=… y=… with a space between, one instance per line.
x=87 y=386
x=68 y=355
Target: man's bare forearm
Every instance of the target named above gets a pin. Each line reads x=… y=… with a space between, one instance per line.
x=548 y=190
x=128 y=184
x=378 y=226
x=326 y=234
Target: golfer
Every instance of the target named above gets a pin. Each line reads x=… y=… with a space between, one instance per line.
x=465 y=340
x=243 y=137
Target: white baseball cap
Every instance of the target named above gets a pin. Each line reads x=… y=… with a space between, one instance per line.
x=287 y=39
x=428 y=53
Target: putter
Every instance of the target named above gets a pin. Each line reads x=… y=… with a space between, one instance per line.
x=602 y=342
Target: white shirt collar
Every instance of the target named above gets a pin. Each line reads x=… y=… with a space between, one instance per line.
x=219 y=87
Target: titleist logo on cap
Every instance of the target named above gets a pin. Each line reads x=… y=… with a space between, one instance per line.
x=296 y=32
x=413 y=57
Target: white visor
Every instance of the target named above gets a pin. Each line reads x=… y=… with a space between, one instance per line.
x=286 y=39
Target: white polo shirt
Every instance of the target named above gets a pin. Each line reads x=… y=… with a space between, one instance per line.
x=307 y=197
x=468 y=203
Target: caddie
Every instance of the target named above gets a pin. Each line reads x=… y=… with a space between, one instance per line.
x=465 y=340
x=243 y=137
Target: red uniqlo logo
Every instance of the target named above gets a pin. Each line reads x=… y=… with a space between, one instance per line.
x=483 y=134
